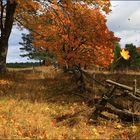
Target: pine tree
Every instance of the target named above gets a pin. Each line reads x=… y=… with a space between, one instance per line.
x=41 y=54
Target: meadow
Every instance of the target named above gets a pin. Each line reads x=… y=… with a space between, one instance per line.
x=42 y=104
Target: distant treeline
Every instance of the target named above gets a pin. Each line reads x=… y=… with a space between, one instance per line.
x=22 y=65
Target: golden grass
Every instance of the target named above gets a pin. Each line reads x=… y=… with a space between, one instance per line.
x=36 y=105
x=23 y=119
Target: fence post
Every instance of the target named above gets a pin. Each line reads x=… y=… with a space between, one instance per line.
x=135 y=87
x=134 y=92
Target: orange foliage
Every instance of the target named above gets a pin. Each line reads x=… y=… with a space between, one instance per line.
x=27 y=11
x=77 y=34
x=125 y=54
x=4 y=82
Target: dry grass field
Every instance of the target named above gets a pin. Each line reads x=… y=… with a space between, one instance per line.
x=41 y=105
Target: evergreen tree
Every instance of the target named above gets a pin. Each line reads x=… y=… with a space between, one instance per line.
x=40 y=54
x=120 y=63
x=134 y=60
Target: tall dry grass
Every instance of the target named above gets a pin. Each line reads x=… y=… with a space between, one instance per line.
x=40 y=104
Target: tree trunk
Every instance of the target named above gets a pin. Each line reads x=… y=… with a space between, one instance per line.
x=3 y=54
x=6 y=27
x=43 y=62
x=82 y=82
x=79 y=78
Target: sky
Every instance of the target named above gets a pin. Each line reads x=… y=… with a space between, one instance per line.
x=124 y=21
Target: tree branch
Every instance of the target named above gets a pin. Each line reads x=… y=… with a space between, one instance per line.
x=1 y=17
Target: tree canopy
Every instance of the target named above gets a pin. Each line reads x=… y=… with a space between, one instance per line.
x=76 y=33
x=75 y=30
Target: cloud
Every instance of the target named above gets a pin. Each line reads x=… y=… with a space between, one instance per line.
x=124 y=21
x=14 y=47
x=15 y=36
x=14 y=55
x=128 y=36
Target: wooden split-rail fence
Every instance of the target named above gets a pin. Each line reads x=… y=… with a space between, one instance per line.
x=108 y=100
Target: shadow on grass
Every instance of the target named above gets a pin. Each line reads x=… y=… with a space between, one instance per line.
x=54 y=91
x=38 y=87
x=35 y=88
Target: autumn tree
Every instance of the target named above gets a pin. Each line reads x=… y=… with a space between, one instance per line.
x=77 y=34
x=25 y=11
